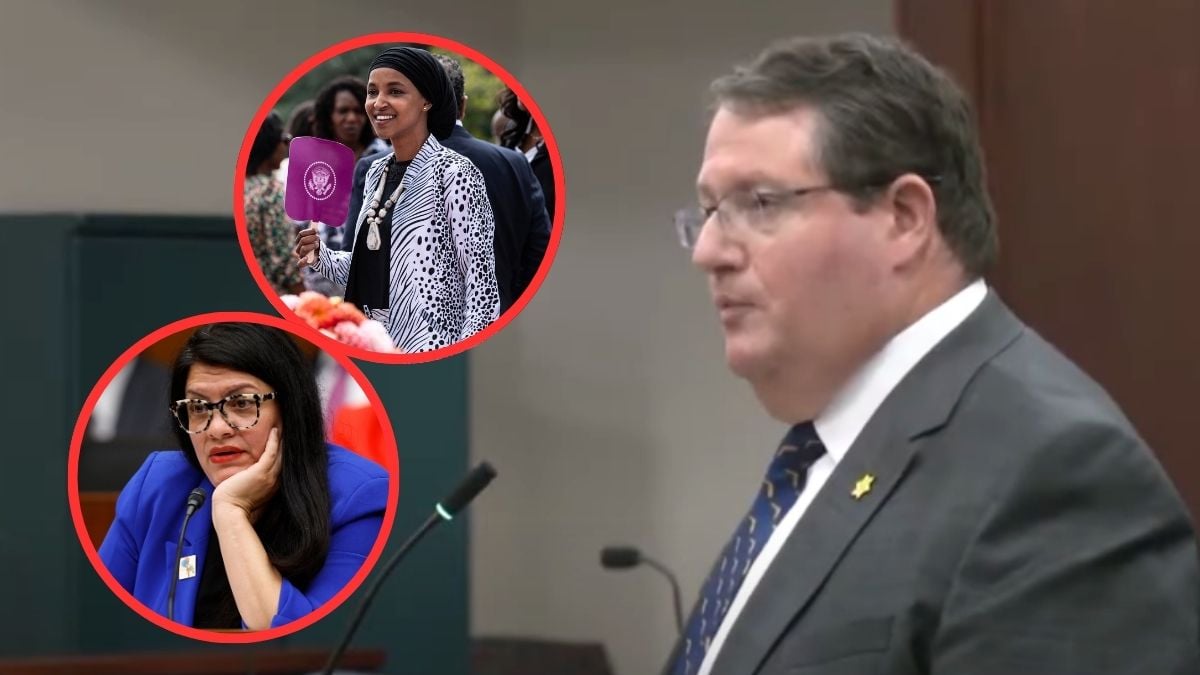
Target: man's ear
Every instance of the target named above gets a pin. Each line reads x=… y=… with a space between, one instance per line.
x=914 y=215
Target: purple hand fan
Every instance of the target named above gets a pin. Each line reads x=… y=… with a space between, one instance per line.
x=319 y=177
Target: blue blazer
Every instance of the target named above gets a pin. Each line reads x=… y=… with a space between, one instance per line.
x=139 y=549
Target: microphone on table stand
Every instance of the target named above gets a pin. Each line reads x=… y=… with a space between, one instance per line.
x=194 y=501
x=628 y=557
x=468 y=489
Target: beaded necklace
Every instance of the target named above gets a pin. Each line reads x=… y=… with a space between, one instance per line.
x=376 y=213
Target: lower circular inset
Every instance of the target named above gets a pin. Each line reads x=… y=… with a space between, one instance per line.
x=231 y=482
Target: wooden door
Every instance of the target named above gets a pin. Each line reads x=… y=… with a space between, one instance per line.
x=1090 y=116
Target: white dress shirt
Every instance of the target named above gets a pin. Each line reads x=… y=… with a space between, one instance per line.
x=841 y=422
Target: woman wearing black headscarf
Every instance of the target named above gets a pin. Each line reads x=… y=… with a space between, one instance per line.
x=423 y=262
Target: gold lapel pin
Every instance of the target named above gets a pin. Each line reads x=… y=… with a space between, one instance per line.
x=863 y=486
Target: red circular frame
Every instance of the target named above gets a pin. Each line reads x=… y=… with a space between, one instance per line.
x=239 y=209
x=150 y=615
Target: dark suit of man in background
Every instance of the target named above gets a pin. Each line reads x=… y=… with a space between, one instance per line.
x=350 y=229
x=954 y=496
x=522 y=222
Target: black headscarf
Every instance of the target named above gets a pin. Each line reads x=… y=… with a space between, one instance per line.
x=427 y=75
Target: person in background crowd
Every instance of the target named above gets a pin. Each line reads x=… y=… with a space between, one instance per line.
x=299 y=123
x=339 y=114
x=303 y=118
x=267 y=224
x=523 y=134
x=500 y=124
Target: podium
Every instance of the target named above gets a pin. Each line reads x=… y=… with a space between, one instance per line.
x=244 y=662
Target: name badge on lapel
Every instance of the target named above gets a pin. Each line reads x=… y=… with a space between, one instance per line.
x=187 y=567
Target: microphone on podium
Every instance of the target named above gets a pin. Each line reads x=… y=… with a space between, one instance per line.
x=628 y=557
x=468 y=489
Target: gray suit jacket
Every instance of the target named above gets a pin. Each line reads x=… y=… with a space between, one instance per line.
x=1017 y=524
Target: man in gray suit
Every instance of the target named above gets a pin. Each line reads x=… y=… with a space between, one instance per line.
x=954 y=496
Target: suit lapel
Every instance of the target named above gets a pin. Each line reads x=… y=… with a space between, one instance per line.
x=919 y=405
x=829 y=526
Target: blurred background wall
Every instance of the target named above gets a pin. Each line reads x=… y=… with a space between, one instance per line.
x=146 y=103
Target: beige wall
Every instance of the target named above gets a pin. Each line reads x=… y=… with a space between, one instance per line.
x=606 y=405
x=144 y=104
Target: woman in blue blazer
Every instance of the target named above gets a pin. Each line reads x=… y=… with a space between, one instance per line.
x=287 y=520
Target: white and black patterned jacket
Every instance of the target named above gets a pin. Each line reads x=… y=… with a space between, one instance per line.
x=442 y=279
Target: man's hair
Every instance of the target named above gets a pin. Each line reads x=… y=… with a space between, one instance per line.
x=458 y=83
x=883 y=111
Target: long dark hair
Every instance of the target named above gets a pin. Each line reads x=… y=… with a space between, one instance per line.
x=517 y=130
x=294 y=525
x=302 y=119
x=324 y=103
x=266 y=142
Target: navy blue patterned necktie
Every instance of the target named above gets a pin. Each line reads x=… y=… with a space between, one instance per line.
x=785 y=480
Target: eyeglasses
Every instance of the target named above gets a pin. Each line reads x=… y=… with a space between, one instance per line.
x=741 y=211
x=240 y=411
x=755 y=210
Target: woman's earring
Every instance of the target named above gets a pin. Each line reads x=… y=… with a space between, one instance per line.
x=427 y=106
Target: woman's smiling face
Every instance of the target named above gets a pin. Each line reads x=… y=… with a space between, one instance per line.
x=394 y=105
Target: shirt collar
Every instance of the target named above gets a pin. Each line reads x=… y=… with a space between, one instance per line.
x=854 y=405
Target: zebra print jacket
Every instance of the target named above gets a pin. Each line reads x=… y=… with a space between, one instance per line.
x=442 y=277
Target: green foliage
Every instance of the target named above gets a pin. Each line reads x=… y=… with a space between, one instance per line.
x=483 y=90
x=482 y=86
